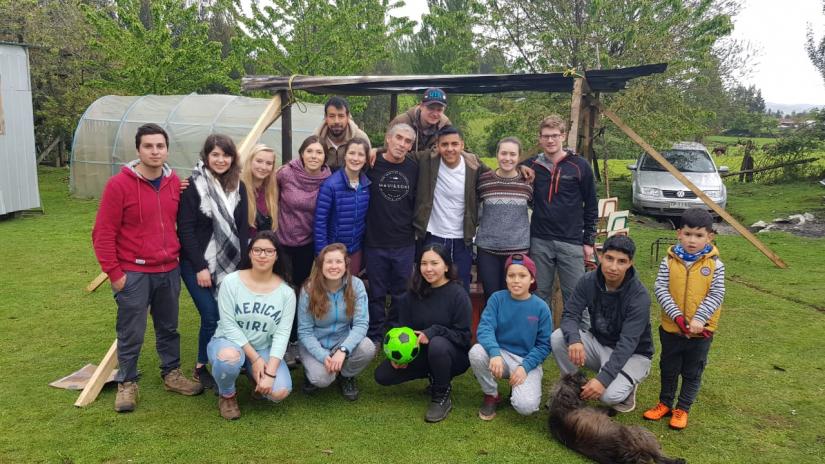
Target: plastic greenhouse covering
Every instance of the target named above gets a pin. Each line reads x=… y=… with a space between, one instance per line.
x=105 y=136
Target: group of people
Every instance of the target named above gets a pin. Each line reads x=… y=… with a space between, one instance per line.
x=245 y=235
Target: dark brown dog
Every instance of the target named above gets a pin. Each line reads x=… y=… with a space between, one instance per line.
x=592 y=433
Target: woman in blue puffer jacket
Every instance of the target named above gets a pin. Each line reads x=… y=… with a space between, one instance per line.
x=341 y=210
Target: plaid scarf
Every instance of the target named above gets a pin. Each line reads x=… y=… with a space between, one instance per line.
x=223 y=253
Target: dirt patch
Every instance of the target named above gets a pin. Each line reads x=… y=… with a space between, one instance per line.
x=810 y=228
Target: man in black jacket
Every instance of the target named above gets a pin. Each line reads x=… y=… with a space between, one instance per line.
x=618 y=345
x=565 y=210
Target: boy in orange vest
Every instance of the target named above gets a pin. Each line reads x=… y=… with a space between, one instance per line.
x=690 y=288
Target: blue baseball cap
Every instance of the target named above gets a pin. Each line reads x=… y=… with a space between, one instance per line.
x=434 y=95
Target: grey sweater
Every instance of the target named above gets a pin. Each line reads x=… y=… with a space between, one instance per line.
x=504 y=225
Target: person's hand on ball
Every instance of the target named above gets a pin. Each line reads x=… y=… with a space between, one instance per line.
x=576 y=354
x=592 y=390
x=422 y=338
x=497 y=366
x=518 y=377
x=397 y=366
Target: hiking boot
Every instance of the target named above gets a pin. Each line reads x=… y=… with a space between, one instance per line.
x=629 y=403
x=201 y=374
x=176 y=382
x=349 y=388
x=440 y=404
x=127 y=396
x=228 y=406
x=657 y=412
x=487 y=411
x=679 y=419
x=308 y=387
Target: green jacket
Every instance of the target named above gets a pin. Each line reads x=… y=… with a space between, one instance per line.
x=428 y=164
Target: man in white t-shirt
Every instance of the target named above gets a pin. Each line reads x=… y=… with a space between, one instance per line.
x=446 y=207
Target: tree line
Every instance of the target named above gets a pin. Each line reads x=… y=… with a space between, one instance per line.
x=84 y=49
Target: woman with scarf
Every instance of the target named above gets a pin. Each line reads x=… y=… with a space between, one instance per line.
x=213 y=230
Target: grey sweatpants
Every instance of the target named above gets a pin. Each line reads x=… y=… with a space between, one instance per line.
x=353 y=365
x=567 y=259
x=526 y=397
x=155 y=293
x=635 y=370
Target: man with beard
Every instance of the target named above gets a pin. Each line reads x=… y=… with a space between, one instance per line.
x=337 y=129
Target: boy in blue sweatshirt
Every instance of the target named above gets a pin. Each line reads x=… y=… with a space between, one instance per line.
x=513 y=341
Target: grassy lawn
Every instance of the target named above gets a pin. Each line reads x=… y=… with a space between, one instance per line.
x=762 y=399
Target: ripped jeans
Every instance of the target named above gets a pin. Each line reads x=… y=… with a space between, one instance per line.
x=227 y=358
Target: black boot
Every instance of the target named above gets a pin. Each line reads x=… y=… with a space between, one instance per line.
x=440 y=404
x=349 y=388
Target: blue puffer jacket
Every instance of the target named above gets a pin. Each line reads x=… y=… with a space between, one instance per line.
x=341 y=212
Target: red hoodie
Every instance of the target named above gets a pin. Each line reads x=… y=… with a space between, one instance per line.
x=135 y=225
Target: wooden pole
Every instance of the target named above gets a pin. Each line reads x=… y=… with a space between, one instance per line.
x=97 y=282
x=687 y=183
x=575 y=114
x=98 y=379
x=393 y=105
x=286 y=131
x=270 y=114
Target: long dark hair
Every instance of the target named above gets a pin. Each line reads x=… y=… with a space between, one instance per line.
x=418 y=284
x=228 y=180
x=281 y=267
x=306 y=143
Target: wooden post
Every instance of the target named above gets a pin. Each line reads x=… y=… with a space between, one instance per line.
x=98 y=379
x=393 y=105
x=286 y=131
x=97 y=282
x=270 y=114
x=575 y=114
x=687 y=183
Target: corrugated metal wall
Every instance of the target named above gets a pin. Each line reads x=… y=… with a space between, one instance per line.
x=18 y=168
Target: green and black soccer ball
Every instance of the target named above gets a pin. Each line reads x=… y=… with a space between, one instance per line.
x=401 y=345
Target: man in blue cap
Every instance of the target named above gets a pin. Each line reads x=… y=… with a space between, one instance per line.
x=427 y=118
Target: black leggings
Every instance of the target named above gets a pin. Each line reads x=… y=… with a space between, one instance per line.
x=299 y=264
x=440 y=359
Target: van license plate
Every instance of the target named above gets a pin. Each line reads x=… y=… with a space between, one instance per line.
x=678 y=204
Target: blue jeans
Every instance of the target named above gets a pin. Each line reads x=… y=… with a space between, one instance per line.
x=227 y=358
x=205 y=303
x=461 y=254
x=389 y=271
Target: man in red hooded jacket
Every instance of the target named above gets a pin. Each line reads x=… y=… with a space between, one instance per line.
x=136 y=244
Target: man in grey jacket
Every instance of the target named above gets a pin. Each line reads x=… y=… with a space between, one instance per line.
x=618 y=345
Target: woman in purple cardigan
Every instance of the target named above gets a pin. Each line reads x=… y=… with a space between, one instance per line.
x=298 y=183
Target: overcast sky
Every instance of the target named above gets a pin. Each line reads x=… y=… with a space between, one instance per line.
x=776 y=30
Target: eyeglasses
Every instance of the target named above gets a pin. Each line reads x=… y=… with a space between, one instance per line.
x=268 y=252
x=550 y=136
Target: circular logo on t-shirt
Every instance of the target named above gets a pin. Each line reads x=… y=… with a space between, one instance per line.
x=394 y=185
x=705 y=271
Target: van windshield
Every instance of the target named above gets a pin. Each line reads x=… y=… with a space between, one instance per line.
x=683 y=160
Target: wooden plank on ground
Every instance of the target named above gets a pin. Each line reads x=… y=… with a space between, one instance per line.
x=687 y=183
x=270 y=114
x=107 y=364
x=96 y=282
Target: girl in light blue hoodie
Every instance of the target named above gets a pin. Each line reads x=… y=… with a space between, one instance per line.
x=332 y=324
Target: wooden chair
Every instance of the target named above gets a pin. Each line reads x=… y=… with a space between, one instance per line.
x=607 y=206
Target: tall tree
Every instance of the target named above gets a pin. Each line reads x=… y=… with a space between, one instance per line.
x=816 y=50
x=165 y=50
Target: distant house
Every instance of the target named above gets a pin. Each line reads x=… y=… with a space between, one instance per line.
x=787 y=123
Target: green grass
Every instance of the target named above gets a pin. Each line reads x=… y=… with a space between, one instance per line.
x=713 y=140
x=762 y=399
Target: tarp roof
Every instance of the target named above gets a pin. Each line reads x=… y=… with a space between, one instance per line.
x=603 y=80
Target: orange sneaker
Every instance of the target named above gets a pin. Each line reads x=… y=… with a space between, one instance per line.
x=656 y=412
x=679 y=419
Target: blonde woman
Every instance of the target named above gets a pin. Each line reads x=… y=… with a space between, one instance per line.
x=258 y=174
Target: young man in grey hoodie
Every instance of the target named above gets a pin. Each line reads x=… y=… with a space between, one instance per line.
x=618 y=345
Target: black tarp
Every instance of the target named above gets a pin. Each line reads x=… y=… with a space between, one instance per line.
x=604 y=80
